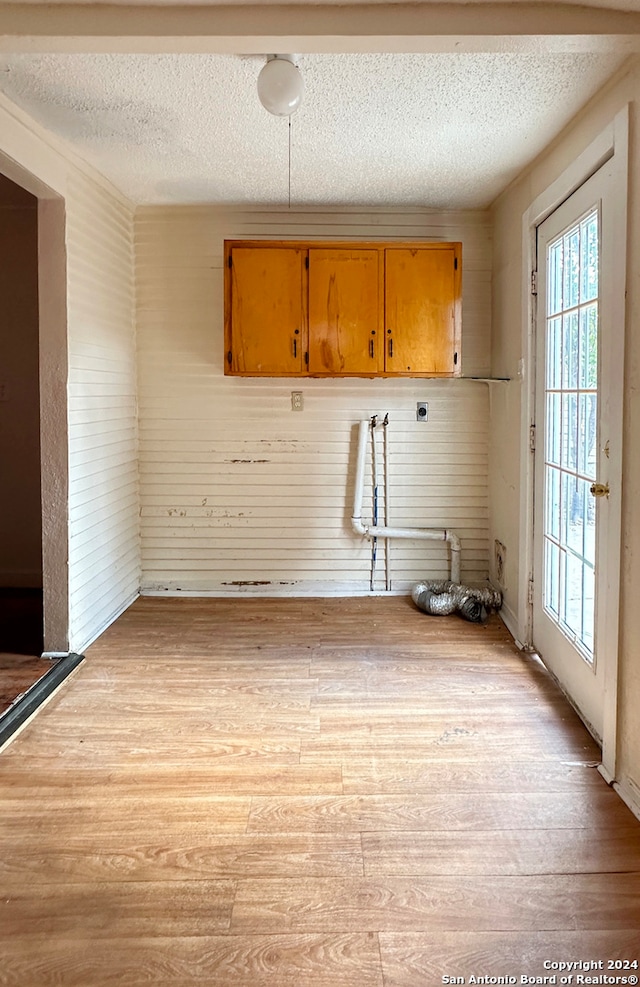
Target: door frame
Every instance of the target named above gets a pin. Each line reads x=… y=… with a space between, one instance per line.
x=610 y=146
x=54 y=418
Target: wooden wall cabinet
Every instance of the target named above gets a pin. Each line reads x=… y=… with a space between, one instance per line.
x=346 y=313
x=317 y=309
x=267 y=313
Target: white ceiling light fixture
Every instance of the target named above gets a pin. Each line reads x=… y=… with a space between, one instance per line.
x=280 y=85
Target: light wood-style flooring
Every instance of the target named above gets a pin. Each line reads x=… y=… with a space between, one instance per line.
x=308 y=793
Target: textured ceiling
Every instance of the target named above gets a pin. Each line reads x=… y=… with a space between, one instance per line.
x=439 y=130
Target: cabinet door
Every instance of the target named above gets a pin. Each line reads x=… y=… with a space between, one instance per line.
x=267 y=312
x=422 y=310
x=345 y=311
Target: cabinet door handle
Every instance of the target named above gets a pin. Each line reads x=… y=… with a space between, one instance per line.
x=295 y=347
x=391 y=347
x=371 y=351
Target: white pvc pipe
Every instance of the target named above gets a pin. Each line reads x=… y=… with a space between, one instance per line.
x=387 y=545
x=358 y=491
x=382 y=531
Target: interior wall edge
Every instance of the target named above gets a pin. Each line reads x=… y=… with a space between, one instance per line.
x=24 y=138
x=80 y=645
x=95 y=242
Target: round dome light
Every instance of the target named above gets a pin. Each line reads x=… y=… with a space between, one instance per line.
x=280 y=87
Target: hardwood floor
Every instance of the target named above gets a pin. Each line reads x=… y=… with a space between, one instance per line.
x=308 y=793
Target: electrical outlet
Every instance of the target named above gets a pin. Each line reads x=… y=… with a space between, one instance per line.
x=297 y=402
x=422 y=411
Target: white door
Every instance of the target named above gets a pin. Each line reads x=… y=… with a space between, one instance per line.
x=574 y=377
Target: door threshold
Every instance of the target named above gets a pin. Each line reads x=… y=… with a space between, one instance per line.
x=16 y=717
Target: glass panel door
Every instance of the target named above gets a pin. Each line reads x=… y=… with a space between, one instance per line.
x=571 y=600
x=570 y=439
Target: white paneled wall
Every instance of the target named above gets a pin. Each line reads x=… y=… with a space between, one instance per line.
x=104 y=543
x=241 y=494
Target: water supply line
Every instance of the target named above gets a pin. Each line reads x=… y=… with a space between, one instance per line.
x=387 y=553
x=374 y=463
x=385 y=531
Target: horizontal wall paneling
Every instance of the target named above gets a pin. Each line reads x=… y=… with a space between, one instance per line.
x=241 y=494
x=104 y=540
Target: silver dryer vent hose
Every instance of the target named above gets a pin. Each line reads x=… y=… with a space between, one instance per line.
x=442 y=597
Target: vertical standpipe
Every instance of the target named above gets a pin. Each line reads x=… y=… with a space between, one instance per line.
x=384 y=531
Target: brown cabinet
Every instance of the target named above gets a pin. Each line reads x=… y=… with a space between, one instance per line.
x=267 y=319
x=342 y=309
x=345 y=310
x=420 y=310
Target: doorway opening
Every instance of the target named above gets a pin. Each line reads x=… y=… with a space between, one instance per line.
x=21 y=598
x=575 y=240
x=33 y=441
x=572 y=302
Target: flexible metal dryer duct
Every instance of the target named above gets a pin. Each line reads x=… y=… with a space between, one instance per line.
x=442 y=597
x=383 y=531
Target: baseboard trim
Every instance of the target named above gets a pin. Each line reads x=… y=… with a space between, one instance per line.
x=107 y=623
x=510 y=621
x=273 y=591
x=630 y=795
x=18 y=715
x=608 y=777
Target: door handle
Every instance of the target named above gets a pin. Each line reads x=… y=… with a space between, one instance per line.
x=371 y=352
x=599 y=489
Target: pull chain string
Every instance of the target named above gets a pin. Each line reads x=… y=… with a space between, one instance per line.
x=289 y=162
